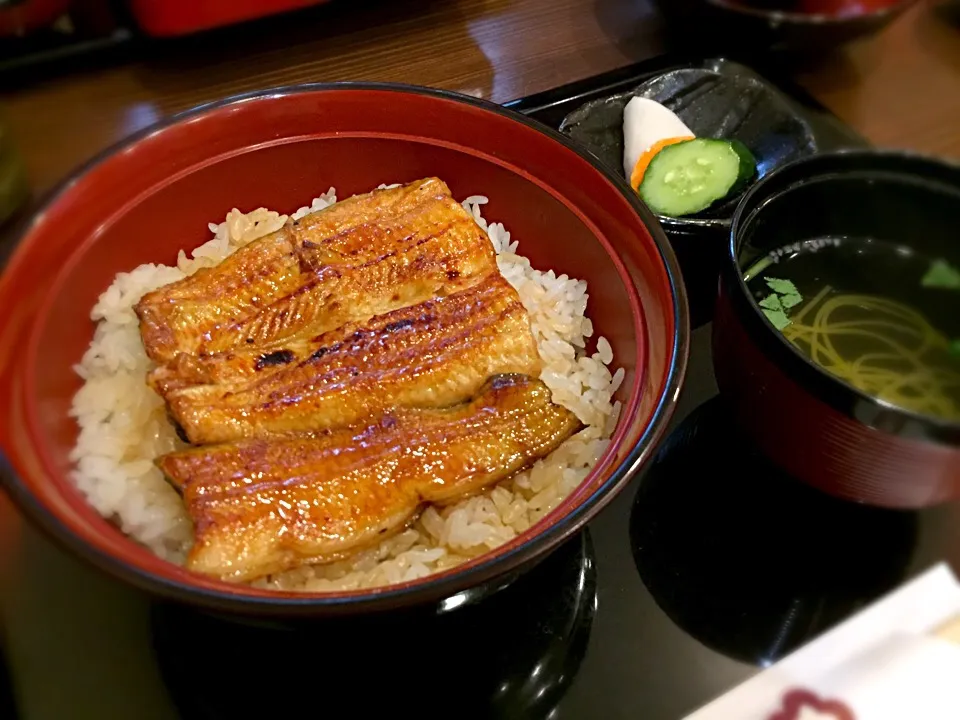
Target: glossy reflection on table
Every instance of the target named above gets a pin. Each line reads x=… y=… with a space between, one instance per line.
x=745 y=558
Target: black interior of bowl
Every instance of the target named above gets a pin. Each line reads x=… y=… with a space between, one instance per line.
x=898 y=208
x=722 y=100
x=898 y=222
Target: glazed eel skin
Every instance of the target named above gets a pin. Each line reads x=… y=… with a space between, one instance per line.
x=434 y=354
x=363 y=256
x=263 y=506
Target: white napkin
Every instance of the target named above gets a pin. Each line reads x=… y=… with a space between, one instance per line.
x=885 y=663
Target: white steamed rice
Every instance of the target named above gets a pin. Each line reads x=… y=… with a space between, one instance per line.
x=123 y=423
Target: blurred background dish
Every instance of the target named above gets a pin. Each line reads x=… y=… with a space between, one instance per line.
x=23 y=17
x=59 y=35
x=881 y=225
x=803 y=27
x=181 y=17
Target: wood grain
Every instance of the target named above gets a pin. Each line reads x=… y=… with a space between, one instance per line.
x=901 y=88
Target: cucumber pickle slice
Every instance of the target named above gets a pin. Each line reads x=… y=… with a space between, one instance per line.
x=690 y=176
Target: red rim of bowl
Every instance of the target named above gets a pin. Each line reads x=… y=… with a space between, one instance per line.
x=546 y=534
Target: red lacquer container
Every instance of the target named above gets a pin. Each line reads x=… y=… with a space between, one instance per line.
x=151 y=195
x=168 y=18
x=818 y=428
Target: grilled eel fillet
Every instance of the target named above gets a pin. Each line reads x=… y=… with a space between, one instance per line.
x=264 y=506
x=434 y=354
x=363 y=256
x=457 y=257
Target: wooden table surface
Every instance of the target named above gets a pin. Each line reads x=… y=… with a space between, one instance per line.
x=900 y=89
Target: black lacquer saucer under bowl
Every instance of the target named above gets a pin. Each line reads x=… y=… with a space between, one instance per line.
x=514 y=655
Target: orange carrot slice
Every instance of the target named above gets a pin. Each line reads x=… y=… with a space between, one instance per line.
x=636 y=177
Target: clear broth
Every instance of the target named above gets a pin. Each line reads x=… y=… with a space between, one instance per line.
x=864 y=315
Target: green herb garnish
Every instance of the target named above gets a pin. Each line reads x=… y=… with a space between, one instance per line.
x=778 y=318
x=782 y=287
x=791 y=300
x=955 y=348
x=775 y=305
x=771 y=302
x=942 y=275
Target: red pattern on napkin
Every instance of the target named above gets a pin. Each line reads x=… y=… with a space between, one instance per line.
x=795 y=701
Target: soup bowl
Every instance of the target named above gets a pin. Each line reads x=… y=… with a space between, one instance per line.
x=143 y=200
x=817 y=427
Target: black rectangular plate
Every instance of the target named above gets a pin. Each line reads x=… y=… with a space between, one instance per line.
x=552 y=106
x=697 y=249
